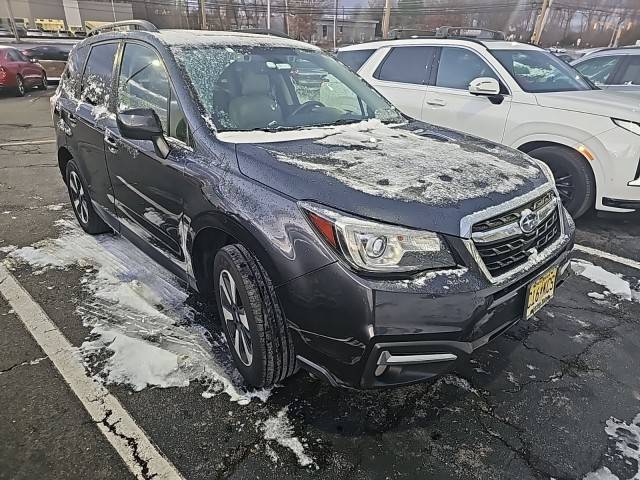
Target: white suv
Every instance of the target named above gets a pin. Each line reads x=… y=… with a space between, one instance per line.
x=523 y=97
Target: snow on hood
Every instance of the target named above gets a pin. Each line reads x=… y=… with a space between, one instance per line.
x=405 y=163
x=610 y=103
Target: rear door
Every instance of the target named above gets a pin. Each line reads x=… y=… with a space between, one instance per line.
x=448 y=102
x=92 y=111
x=402 y=77
x=148 y=187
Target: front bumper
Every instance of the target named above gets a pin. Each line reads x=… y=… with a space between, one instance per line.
x=354 y=331
x=616 y=165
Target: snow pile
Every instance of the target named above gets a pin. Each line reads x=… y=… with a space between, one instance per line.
x=280 y=430
x=627 y=438
x=612 y=282
x=395 y=163
x=143 y=332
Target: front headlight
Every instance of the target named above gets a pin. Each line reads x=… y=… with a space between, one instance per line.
x=628 y=125
x=378 y=247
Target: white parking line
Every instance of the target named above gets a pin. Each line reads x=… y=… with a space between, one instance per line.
x=28 y=142
x=120 y=429
x=609 y=256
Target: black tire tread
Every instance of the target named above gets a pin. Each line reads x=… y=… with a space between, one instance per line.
x=275 y=338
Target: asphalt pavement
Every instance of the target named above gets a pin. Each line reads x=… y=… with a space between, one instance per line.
x=555 y=397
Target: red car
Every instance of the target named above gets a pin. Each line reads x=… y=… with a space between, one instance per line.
x=18 y=73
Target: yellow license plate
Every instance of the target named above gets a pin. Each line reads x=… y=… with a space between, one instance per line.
x=540 y=291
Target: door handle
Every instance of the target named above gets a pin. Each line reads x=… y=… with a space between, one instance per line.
x=438 y=102
x=112 y=143
x=72 y=119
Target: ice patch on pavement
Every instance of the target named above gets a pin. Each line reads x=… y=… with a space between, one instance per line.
x=8 y=248
x=143 y=331
x=55 y=207
x=280 y=430
x=613 y=282
x=627 y=440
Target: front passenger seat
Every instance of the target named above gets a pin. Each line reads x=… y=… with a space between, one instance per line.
x=254 y=108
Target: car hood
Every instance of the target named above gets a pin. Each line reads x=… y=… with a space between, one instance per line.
x=414 y=174
x=624 y=104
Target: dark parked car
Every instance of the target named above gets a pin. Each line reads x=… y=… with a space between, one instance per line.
x=18 y=73
x=334 y=234
x=614 y=68
x=52 y=57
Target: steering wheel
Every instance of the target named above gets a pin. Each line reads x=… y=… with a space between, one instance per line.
x=306 y=106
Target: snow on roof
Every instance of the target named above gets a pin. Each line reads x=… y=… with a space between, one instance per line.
x=205 y=37
x=489 y=44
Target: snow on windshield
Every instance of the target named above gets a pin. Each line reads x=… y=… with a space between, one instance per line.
x=396 y=163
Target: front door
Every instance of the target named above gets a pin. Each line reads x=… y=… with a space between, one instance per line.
x=148 y=187
x=449 y=104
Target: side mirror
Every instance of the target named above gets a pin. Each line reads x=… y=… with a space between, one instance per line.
x=484 y=86
x=143 y=124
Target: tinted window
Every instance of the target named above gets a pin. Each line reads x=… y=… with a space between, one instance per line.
x=538 y=71
x=96 y=82
x=14 y=56
x=631 y=72
x=459 y=66
x=143 y=82
x=600 y=69
x=354 y=59
x=406 y=65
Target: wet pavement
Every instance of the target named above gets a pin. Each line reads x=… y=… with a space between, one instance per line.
x=555 y=397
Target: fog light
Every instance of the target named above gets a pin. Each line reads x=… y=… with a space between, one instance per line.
x=380 y=369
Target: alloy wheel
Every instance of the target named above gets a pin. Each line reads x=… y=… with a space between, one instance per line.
x=566 y=186
x=235 y=318
x=79 y=198
x=20 y=86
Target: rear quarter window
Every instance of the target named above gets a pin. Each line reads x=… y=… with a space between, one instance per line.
x=72 y=76
x=354 y=59
x=98 y=72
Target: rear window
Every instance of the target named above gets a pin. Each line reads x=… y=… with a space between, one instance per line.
x=354 y=59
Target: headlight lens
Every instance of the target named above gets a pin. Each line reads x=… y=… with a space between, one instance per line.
x=378 y=247
x=628 y=125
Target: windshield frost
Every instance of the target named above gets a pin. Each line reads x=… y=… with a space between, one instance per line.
x=270 y=88
x=538 y=72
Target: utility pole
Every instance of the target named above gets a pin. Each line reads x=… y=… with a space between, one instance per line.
x=335 y=22
x=386 y=18
x=286 y=16
x=540 y=21
x=203 y=15
x=12 y=20
x=268 y=14
x=113 y=9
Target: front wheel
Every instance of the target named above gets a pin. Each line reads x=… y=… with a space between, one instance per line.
x=253 y=322
x=573 y=175
x=81 y=202
x=44 y=83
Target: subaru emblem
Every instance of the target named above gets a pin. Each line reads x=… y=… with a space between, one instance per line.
x=528 y=221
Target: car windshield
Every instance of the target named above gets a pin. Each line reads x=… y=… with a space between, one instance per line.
x=271 y=88
x=540 y=72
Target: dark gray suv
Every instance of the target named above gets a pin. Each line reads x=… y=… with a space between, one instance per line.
x=332 y=232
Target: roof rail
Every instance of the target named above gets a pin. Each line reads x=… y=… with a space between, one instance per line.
x=126 y=25
x=402 y=33
x=470 y=32
x=262 y=31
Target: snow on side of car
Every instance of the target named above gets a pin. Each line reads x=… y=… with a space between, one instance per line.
x=143 y=331
x=381 y=160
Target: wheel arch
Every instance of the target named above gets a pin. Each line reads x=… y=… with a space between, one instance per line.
x=64 y=156
x=213 y=231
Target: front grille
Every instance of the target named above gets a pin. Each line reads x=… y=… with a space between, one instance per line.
x=514 y=214
x=506 y=254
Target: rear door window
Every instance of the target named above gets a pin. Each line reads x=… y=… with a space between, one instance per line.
x=354 y=59
x=406 y=65
x=96 y=82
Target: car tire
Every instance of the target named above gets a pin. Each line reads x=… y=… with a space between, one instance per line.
x=252 y=319
x=81 y=202
x=44 y=83
x=20 y=88
x=574 y=178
